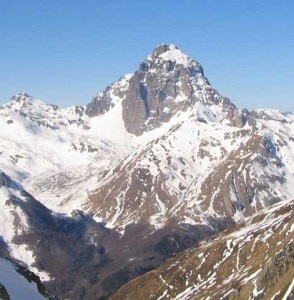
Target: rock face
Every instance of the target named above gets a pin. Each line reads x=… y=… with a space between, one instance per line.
x=167 y=82
x=107 y=99
x=253 y=260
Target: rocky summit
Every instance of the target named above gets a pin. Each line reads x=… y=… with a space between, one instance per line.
x=93 y=196
x=166 y=83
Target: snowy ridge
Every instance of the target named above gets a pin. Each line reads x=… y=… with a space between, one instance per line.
x=40 y=141
x=107 y=99
x=273 y=114
x=42 y=113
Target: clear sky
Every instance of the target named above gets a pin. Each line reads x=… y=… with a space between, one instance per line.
x=65 y=51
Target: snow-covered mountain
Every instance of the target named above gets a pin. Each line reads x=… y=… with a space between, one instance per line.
x=158 y=156
x=205 y=161
x=55 y=153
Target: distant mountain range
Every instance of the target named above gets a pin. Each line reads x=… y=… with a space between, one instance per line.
x=94 y=196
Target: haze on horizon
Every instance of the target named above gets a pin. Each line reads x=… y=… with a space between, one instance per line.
x=65 y=52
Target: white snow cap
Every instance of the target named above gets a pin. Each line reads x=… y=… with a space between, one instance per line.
x=172 y=53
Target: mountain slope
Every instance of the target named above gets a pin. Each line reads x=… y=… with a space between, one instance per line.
x=48 y=244
x=253 y=260
x=43 y=146
x=196 y=171
x=74 y=256
x=202 y=161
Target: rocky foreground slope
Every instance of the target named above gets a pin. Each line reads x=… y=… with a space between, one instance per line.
x=251 y=260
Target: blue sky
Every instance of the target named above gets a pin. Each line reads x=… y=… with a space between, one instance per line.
x=65 y=51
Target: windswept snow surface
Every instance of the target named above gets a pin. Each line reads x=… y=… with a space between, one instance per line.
x=176 y=55
x=17 y=286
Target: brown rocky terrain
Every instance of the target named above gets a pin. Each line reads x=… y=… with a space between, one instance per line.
x=251 y=260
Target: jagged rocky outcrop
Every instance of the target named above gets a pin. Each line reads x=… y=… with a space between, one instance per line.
x=107 y=99
x=167 y=82
x=42 y=113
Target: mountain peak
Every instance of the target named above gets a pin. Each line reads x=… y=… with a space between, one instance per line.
x=170 y=52
x=23 y=101
x=167 y=82
x=20 y=97
x=162 y=48
x=34 y=109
